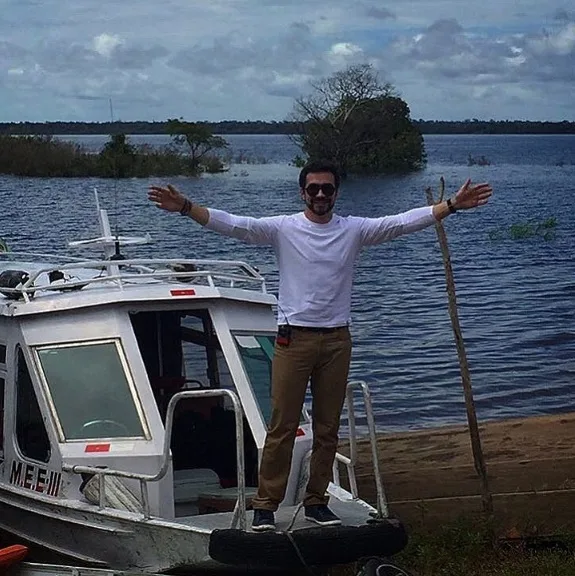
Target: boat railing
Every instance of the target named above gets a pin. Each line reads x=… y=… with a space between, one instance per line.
x=350 y=461
x=239 y=515
x=215 y=273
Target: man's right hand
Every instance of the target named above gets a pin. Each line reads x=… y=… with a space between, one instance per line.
x=167 y=198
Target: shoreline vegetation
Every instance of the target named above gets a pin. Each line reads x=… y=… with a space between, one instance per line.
x=193 y=150
x=49 y=157
x=229 y=127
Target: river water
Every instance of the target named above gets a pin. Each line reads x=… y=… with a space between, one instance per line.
x=515 y=295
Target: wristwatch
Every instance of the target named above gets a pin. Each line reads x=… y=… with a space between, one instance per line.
x=450 y=206
x=185 y=210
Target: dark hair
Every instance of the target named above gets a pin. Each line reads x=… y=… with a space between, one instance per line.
x=319 y=166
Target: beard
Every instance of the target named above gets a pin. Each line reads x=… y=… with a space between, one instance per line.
x=320 y=207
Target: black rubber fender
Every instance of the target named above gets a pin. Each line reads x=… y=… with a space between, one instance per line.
x=321 y=546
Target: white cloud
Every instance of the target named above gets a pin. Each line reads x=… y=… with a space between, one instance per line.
x=446 y=50
x=345 y=50
x=565 y=41
x=105 y=44
x=561 y=42
x=344 y=53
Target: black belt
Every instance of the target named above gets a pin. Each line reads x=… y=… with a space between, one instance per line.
x=318 y=328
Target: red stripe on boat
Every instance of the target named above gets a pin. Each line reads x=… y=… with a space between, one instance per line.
x=188 y=292
x=97 y=448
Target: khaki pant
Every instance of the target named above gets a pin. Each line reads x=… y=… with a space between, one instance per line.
x=324 y=358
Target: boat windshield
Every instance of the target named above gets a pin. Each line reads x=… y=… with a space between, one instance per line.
x=91 y=391
x=256 y=351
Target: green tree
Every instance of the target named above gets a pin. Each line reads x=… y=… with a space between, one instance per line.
x=358 y=123
x=199 y=139
x=118 y=157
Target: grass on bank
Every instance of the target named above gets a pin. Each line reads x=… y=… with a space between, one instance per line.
x=461 y=549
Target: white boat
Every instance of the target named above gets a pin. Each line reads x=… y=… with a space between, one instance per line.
x=135 y=396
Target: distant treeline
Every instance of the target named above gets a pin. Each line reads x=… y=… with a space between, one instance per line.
x=494 y=127
x=259 y=127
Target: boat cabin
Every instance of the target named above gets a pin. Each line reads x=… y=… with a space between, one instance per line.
x=92 y=352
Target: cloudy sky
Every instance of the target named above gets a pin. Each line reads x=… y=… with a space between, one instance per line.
x=248 y=59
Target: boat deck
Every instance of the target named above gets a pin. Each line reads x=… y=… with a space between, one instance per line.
x=430 y=478
x=351 y=514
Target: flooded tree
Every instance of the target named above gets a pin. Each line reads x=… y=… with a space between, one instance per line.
x=361 y=124
x=117 y=157
x=199 y=139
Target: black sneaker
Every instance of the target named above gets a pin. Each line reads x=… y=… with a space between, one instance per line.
x=263 y=521
x=322 y=515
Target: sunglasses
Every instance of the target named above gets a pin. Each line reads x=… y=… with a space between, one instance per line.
x=327 y=189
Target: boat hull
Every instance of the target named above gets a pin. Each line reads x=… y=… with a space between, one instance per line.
x=104 y=539
x=125 y=541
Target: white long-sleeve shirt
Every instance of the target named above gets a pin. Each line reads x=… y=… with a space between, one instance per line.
x=316 y=261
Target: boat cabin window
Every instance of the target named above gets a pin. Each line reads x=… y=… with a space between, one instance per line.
x=181 y=351
x=256 y=352
x=31 y=432
x=91 y=391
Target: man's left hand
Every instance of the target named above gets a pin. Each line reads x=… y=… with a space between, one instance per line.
x=472 y=195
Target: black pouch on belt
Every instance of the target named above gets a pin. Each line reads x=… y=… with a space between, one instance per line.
x=283 y=337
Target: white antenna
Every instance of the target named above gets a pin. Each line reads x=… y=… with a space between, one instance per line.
x=115 y=160
x=97 y=199
x=108 y=242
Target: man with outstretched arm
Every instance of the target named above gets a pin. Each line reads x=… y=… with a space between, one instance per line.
x=316 y=250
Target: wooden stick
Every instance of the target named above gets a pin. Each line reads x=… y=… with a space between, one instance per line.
x=478 y=458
